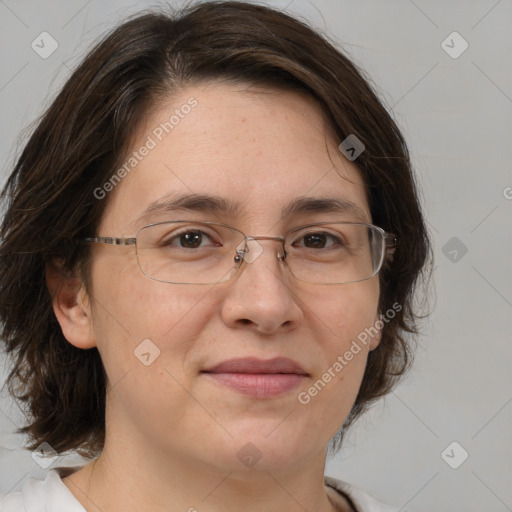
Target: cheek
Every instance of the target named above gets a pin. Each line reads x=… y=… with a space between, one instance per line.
x=340 y=320
x=341 y=312
x=129 y=309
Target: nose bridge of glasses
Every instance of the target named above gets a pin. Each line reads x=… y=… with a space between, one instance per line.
x=250 y=249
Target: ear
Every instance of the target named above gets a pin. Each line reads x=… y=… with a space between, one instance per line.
x=378 y=324
x=71 y=305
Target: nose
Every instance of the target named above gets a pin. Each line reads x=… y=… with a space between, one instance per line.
x=260 y=296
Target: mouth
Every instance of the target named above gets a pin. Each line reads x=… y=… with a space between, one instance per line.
x=258 y=378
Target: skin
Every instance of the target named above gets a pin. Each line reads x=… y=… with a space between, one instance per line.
x=172 y=435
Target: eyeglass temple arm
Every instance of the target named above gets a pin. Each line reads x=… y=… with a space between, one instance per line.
x=111 y=240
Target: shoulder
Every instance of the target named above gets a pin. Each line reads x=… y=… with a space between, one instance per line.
x=42 y=495
x=361 y=501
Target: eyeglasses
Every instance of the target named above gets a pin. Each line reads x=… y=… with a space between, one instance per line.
x=190 y=252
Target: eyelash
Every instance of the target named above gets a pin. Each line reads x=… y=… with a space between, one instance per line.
x=169 y=241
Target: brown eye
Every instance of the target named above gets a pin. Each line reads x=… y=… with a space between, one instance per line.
x=315 y=241
x=319 y=240
x=191 y=239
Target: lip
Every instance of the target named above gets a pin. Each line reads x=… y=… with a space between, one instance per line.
x=257 y=377
x=255 y=365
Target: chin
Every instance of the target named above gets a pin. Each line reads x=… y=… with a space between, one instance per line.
x=266 y=446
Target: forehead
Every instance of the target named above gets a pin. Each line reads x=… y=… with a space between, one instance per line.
x=258 y=152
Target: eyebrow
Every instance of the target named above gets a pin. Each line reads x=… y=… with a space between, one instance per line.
x=219 y=205
x=304 y=205
x=191 y=202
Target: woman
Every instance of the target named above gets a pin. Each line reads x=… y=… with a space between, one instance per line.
x=209 y=252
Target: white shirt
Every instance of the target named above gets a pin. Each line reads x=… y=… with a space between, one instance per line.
x=52 y=495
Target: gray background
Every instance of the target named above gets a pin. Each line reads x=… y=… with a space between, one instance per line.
x=456 y=114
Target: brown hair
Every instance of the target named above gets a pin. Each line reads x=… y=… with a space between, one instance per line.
x=82 y=137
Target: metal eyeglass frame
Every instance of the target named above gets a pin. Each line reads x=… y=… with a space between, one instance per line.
x=389 y=247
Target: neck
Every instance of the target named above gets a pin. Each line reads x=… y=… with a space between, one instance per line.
x=127 y=481
x=136 y=472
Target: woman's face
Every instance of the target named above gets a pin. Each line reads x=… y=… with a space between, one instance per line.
x=260 y=149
